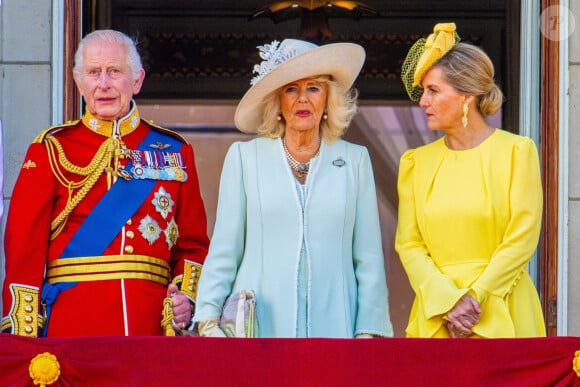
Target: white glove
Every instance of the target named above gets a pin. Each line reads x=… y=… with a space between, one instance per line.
x=364 y=336
x=210 y=328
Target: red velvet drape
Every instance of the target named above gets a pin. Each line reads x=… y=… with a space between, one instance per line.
x=179 y=361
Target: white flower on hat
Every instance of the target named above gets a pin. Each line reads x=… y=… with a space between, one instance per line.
x=273 y=55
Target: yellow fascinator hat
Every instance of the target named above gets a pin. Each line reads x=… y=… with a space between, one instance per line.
x=424 y=54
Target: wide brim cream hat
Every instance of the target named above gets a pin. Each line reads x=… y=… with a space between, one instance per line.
x=292 y=60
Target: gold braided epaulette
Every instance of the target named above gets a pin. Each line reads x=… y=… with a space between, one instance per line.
x=47 y=132
x=166 y=131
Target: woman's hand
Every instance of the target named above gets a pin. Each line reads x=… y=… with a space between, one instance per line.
x=463 y=316
x=181 y=307
x=210 y=328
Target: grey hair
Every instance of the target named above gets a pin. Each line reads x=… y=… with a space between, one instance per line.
x=341 y=106
x=110 y=37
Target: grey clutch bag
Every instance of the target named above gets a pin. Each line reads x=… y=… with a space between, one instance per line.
x=239 y=316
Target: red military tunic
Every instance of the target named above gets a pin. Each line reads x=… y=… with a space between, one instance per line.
x=122 y=291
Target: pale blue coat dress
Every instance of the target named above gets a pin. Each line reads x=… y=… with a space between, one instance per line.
x=313 y=258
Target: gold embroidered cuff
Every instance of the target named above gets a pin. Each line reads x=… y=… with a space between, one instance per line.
x=190 y=279
x=24 y=319
x=6 y=325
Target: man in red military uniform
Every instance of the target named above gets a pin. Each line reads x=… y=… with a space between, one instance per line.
x=106 y=222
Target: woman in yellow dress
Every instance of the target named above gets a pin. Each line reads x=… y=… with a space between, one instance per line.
x=470 y=203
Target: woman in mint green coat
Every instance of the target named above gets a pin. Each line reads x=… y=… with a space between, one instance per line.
x=297 y=219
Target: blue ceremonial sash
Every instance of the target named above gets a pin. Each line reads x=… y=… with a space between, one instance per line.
x=106 y=220
x=114 y=209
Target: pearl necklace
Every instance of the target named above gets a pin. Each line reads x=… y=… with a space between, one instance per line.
x=300 y=168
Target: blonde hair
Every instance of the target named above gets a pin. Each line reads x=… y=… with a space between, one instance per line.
x=469 y=70
x=110 y=37
x=341 y=106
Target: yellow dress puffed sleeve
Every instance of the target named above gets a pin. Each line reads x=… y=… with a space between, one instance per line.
x=469 y=223
x=523 y=229
x=504 y=289
x=435 y=293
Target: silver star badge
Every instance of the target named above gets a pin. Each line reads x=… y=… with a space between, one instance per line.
x=150 y=229
x=163 y=202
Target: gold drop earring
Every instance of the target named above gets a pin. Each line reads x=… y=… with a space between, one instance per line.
x=465 y=111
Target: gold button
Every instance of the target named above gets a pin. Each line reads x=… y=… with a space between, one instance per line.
x=28 y=298
x=190 y=287
x=28 y=329
x=28 y=319
x=191 y=280
x=129 y=222
x=130 y=234
x=129 y=249
x=194 y=268
x=28 y=308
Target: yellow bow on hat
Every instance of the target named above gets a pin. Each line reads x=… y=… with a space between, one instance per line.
x=437 y=44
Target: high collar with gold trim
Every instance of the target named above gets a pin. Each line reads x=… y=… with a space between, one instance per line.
x=125 y=125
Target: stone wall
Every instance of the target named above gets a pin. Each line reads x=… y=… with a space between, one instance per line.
x=25 y=83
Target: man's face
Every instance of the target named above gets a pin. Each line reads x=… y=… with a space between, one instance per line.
x=106 y=81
